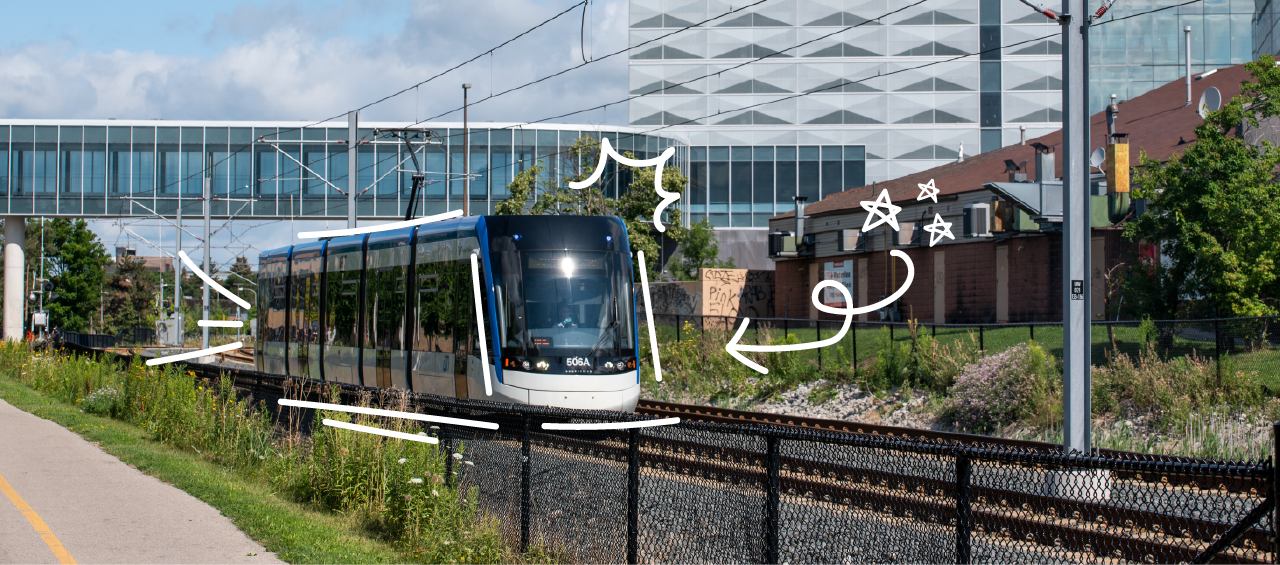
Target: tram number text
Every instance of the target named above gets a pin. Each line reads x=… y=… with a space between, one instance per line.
x=578 y=363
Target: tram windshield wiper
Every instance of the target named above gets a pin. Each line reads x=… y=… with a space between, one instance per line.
x=609 y=331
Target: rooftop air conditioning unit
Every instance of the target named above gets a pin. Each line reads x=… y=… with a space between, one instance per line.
x=977 y=220
x=782 y=244
x=853 y=240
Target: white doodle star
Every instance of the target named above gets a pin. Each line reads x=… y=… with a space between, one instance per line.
x=928 y=191
x=938 y=230
x=873 y=211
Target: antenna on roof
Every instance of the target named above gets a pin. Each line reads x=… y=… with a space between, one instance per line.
x=1096 y=158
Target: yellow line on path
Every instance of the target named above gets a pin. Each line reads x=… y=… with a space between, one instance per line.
x=41 y=528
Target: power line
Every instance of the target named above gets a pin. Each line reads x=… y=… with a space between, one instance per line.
x=1143 y=13
x=848 y=82
x=579 y=66
x=241 y=149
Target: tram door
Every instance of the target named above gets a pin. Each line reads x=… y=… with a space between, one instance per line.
x=464 y=317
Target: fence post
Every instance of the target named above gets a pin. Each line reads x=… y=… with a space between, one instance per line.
x=678 y=336
x=1033 y=332
x=890 y=332
x=633 y=498
x=1217 y=349
x=933 y=330
x=447 y=442
x=853 y=330
x=771 y=526
x=982 y=344
x=526 y=506
x=786 y=327
x=817 y=324
x=962 y=510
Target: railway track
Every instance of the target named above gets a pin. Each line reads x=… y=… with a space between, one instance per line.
x=718 y=415
x=997 y=515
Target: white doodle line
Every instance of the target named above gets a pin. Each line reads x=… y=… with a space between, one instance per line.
x=379 y=431
x=612 y=425
x=484 y=348
x=232 y=297
x=733 y=347
x=657 y=162
x=381 y=227
x=194 y=354
x=219 y=324
x=648 y=312
x=388 y=413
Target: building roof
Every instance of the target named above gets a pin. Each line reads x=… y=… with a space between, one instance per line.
x=1155 y=121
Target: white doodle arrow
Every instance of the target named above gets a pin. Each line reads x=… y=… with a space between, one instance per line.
x=657 y=162
x=735 y=349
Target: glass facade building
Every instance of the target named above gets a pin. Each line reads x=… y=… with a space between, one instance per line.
x=865 y=113
x=1132 y=57
x=852 y=108
x=109 y=168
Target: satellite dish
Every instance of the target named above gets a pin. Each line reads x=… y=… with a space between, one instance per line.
x=1097 y=157
x=1210 y=101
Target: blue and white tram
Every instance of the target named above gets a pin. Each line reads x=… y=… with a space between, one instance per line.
x=396 y=309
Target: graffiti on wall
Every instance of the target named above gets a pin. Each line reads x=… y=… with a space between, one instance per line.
x=717 y=292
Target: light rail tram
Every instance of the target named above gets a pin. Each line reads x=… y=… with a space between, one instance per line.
x=396 y=309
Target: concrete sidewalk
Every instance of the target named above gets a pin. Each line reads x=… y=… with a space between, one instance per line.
x=98 y=508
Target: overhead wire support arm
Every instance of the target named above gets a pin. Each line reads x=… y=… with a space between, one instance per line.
x=304 y=167
x=407 y=135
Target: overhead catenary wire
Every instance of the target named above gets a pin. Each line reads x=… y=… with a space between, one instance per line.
x=579 y=66
x=632 y=97
x=210 y=166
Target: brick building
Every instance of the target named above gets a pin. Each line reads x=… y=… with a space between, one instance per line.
x=1005 y=263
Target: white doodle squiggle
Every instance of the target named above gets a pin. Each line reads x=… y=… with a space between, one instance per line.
x=668 y=198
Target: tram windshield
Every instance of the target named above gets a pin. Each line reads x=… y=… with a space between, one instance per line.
x=569 y=303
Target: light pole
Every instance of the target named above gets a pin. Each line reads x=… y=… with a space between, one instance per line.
x=466 y=154
x=255 y=301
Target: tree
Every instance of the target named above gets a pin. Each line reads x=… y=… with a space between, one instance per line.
x=522 y=189
x=699 y=250
x=131 y=295
x=634 y=207
x=1216 y=214
x=77 y=273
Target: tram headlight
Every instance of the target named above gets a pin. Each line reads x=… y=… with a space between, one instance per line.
x=542 y=364
x=525 y=365
x=608 y=365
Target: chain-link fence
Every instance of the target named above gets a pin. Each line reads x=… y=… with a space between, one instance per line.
x=701 y=492
x=1242 y=343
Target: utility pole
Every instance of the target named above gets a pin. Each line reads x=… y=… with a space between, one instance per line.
x=466 y=155
x=1076 y=345
x=208 y=194
x=352 y=119
x=1077 y=412
x=177 y=283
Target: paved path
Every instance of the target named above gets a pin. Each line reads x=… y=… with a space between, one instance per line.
x=63 y=500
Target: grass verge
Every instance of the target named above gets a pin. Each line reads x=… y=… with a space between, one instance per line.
x=293 y=531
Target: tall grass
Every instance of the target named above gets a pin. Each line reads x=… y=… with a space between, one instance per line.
x=395 y=489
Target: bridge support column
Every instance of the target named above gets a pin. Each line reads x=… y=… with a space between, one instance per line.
x=15 y=239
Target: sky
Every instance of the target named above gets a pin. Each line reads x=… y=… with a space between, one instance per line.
x=288 y=60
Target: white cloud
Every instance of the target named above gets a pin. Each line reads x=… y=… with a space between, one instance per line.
x=290 y=61
x=286 y=61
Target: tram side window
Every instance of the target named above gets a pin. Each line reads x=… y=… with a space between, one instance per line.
x=435 y=308
x=384 y=298
x=304 y=320
x=277 y=286
x=466 y=330
x=342 y=297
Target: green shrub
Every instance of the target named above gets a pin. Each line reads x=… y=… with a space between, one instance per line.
x=103 y=402
x=1019 y=384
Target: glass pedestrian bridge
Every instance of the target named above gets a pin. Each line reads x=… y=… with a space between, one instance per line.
x=267 y=170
